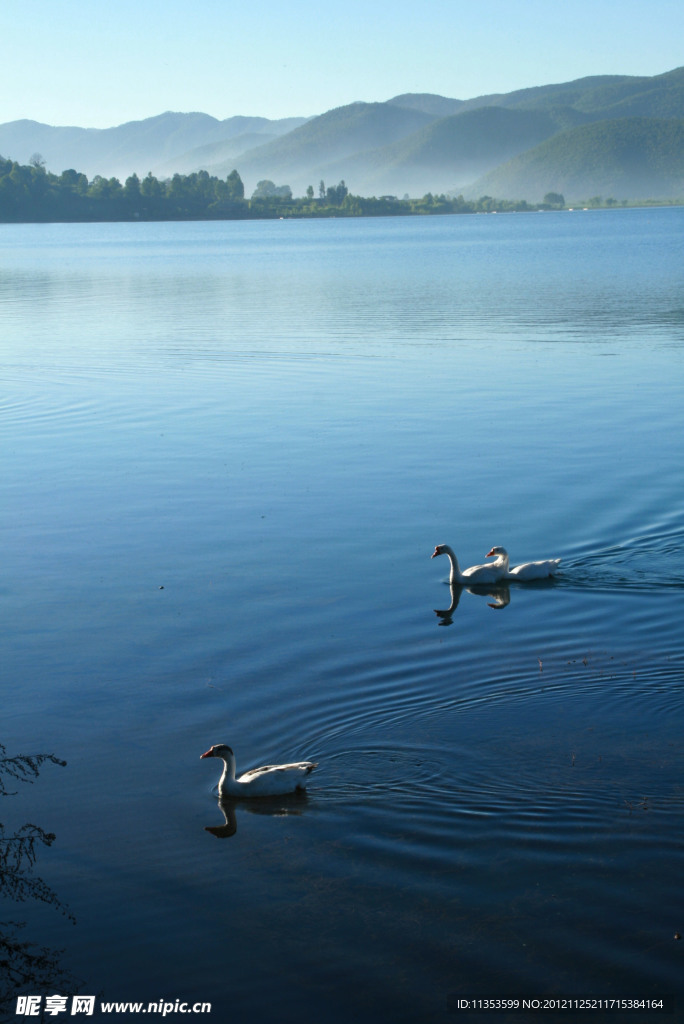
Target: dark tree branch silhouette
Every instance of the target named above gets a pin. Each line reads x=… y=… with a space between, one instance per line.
x=24 y=966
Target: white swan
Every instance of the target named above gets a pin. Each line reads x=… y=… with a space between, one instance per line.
x=527 y=571
x=271 y=780
x=476 y=574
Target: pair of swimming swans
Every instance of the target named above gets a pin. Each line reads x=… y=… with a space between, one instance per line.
x=497 y=571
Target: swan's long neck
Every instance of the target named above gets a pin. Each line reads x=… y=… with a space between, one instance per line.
x=228 y=777
x=455 y=576
x=501 y=561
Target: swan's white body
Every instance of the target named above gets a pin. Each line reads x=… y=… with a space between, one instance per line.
x=271 y=780
x=527 y=571
x=491 y=572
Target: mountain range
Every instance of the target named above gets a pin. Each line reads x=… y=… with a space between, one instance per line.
x=608 y=135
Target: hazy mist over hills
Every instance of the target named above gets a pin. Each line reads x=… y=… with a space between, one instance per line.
x=163 y=144
x=614 y=135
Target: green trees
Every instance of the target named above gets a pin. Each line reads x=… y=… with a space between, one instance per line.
x=554 y=199
x=267 y=190
x=71 y=180
x=105 y=188
x=236 y=190
x=24 y=189
x=335 y=194
x=30 y=193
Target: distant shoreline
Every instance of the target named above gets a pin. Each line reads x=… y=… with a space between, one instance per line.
x=29 y=194
x=338 y=215
x=369 y=209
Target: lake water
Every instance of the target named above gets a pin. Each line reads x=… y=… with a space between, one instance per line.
x=228 y=451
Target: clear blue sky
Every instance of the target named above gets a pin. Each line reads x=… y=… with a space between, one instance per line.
x=102 y=63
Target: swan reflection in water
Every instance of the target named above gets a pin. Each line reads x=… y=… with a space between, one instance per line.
x=499 y=592
x=277 y=807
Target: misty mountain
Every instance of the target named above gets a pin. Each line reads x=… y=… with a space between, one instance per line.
x=455 y=150
x=213 y=154
x=427 y=103
x=139 y=146
x=626 y=158
x=325 y=146
x=563 y=94
x=596 y=135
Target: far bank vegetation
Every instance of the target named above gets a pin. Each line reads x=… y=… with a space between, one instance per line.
x=30 y=193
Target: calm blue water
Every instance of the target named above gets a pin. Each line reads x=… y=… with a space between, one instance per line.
x=227 y=453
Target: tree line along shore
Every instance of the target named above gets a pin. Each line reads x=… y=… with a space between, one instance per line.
x=31 y=194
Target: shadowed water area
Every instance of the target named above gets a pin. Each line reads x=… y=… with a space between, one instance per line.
x=227 y=453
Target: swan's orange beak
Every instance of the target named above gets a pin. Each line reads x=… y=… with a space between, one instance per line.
x=435 y=553
x=489 y=554
x=208 y=753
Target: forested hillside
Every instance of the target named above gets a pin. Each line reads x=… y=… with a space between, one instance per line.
x=629 y=158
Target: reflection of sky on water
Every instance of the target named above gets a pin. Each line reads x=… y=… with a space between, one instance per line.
x=227 y=455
